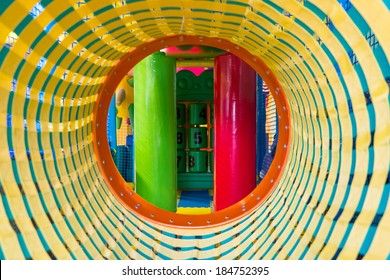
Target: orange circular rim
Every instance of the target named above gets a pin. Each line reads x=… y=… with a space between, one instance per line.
x=137 y=204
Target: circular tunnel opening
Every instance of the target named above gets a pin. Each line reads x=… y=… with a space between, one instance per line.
x=126 y=192
x=194 y=185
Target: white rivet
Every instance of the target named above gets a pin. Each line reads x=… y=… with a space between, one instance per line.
x=97 y=125
x=258 y=198
x=104 y=162
x=226 y=217
x=272 y=180
x=171 y=221
x=98 y=143
x=252 y=194
x=152 y=215
x=208 y=221
x=284 y=108
x=122 y=194
x=189 y=222
x=278 y=166
x=286 y=127
x=285 y=146
x=111 y=179
x=131 y=193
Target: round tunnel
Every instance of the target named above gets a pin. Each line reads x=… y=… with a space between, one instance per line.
x=331 y=200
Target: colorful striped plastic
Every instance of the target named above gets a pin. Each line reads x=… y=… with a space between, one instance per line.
x=331 y=59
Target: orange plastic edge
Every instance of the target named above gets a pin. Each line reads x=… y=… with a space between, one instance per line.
x=142 y=208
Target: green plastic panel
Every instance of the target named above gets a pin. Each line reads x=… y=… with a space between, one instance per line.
x=155 y=135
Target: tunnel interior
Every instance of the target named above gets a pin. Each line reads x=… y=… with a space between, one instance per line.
x=329 y=62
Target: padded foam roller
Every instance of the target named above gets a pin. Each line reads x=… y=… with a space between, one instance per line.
x=235 y=130
x=155 y=135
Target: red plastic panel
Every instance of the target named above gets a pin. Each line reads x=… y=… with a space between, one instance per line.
x=235 y=130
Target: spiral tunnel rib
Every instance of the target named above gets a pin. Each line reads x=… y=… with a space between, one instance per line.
x=331 y=59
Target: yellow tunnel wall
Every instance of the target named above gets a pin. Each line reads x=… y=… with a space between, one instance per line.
x=332 y=60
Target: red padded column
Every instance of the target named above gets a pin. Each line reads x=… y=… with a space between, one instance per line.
x=235 y=130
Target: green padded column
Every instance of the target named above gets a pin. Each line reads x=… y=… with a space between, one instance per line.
x=155 y=135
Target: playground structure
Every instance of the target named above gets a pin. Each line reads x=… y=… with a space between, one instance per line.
x=246 y=143
x=326 y=63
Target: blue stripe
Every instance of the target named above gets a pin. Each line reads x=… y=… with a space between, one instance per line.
x=2 y=257
x=10 y=216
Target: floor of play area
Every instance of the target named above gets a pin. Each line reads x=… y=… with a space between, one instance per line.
x=194 y=201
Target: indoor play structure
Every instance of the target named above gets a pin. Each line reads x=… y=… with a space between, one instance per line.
x=245 y=140
x=325 y=195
